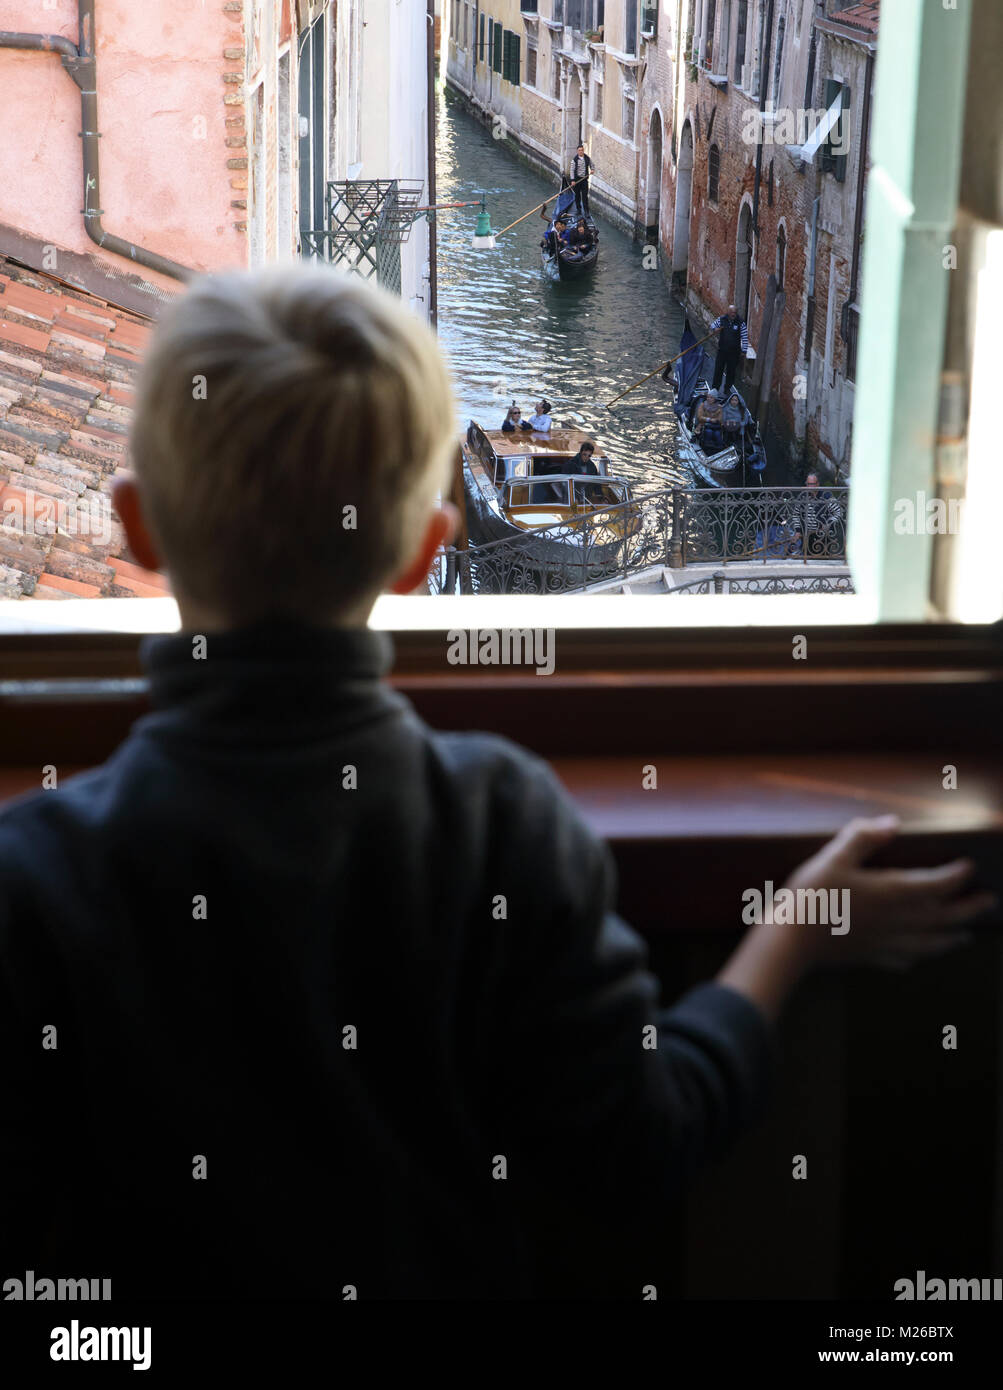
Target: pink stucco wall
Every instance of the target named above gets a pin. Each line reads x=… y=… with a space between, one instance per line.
x=164 y=184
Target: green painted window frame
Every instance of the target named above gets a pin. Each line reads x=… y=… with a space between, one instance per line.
x=912 y=206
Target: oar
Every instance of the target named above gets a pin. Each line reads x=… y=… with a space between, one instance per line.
x=535 y=208
x=662 y=368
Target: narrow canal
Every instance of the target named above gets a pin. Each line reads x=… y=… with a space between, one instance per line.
x=509 y=332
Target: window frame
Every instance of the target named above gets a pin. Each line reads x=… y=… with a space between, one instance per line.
x=896 y=392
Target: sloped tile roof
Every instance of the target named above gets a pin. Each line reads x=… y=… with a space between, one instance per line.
x=68 y=362
x=864 y=16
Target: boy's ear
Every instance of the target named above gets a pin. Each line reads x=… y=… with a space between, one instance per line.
x=125 y=496
x=440 y=530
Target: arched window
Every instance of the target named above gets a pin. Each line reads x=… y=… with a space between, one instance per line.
x=713 y=172
x=781 y=255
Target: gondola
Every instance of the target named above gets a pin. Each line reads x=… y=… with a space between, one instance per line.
x=567 y=264
x=739 y=463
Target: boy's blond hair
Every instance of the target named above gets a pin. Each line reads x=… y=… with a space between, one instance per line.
x=293 y=427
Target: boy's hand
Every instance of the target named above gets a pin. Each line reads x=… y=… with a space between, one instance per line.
x=897 y=916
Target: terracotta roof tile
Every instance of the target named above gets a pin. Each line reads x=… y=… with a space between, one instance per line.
x=24 y=297
x=864 y=16
x=26 y=337
x=68 y=362
x=69 y=586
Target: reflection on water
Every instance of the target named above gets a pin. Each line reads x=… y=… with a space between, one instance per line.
x=509 y=331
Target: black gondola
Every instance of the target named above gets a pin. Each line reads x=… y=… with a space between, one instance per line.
x=721 y=462
x=561 y=262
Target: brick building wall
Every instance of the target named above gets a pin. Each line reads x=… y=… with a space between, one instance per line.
x=748 y=236
x=571 y=88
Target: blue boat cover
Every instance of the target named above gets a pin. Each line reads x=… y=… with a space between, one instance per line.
x=565 y=201
x=688 y=368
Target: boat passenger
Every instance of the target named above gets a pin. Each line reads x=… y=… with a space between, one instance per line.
x=709 y=421
x=733 y=416
x=583 y=461
x=541 y=421
x=579 y=239
x=555 y=235
x=513 y=419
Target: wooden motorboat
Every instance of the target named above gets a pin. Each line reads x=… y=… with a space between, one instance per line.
x=524 y=487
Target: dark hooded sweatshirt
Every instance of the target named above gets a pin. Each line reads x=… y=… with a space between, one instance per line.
x=340 y=1003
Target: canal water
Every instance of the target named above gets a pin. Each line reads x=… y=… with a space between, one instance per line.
x=510 y=332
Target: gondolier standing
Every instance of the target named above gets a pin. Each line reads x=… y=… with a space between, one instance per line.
x=581 y=170
x=732 y=344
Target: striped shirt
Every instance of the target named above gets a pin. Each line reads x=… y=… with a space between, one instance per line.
x=721 y=319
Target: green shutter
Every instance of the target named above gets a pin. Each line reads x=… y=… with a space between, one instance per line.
x=516 y=46
x=497 y=55
x=839 y=164
x=832 y=163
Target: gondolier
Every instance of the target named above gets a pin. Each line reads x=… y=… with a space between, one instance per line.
x=731 y=345
x=581 y=171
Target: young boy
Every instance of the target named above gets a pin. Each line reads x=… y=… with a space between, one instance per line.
x=298 y=997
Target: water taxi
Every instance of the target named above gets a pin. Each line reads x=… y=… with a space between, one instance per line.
x=525 y=488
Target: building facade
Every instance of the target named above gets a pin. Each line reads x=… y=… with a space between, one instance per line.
x=147 y=143
x=766 y=159
x=730 y=133
x=551 y=74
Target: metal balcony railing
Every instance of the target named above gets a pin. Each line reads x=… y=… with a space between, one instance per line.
x=677 y=527
x=366 y=220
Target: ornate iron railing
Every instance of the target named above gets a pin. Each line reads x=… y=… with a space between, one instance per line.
x=365 y=222
x=721 y=583
x=763 y=524
x=677 y=527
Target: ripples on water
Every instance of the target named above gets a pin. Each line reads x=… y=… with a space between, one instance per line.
x=508 y=331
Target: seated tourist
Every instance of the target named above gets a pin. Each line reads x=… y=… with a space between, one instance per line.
x=579 y=238
x=541 y=421
x=513 y=420
x=709 y=420
x=733 y=416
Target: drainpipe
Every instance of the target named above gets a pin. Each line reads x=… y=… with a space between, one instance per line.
x=81 y=63
x=858 y=212
x=764 y=86
x=433 y=249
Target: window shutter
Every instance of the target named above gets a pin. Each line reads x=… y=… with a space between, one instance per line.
x=497 y=56
x=833 y=163
x=839 y=163
x=516 y=53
